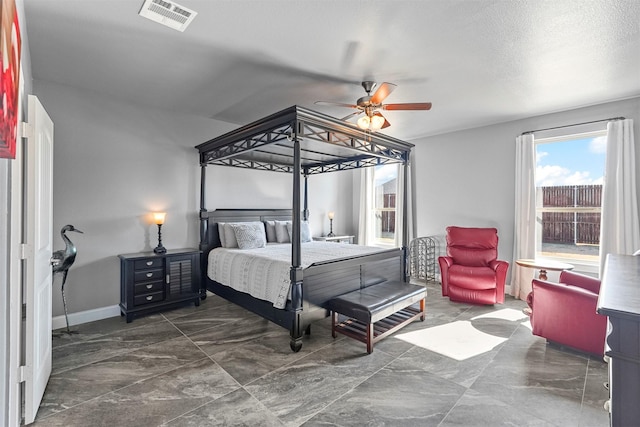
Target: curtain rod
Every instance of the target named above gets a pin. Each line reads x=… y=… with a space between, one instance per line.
x=575 y=124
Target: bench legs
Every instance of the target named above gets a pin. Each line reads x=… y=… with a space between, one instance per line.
x=370 y=338
x=370 y=333
x=334 y=319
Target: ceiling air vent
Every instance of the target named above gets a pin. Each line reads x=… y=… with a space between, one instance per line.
x=168 y=13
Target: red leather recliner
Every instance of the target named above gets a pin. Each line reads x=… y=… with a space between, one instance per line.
x=565 y=312
x=470 y=271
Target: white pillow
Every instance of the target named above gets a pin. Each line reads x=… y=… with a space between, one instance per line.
x=305 y=231
x=250 y=235
x=223 y=241
x=282 y=235
x=271 y=231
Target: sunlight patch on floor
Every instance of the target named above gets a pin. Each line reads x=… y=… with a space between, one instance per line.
x=504 y=314
x=458 y=340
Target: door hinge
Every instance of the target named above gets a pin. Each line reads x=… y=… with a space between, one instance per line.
x=27 y=130
x=25 y=251
x=22 y=374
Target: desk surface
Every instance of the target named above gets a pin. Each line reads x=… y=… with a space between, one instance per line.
x=620 y=290
x=544 y=264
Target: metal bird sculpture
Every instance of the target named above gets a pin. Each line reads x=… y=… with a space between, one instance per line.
x=63 y=259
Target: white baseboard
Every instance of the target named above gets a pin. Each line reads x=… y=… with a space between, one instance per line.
x=86 y=316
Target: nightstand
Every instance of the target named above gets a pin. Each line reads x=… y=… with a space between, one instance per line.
x=337 y=239
x=152 y=282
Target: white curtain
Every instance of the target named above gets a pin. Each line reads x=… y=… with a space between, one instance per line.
x=400 y=214
x=619 y=226
x=524 y=246
x=366 y=222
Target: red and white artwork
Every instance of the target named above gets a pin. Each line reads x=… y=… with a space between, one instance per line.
x=10 y=49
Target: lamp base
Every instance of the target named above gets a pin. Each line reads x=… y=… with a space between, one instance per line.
x=330 y=228
x=160 y=249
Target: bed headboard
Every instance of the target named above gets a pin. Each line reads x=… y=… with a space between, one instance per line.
x=211 y=238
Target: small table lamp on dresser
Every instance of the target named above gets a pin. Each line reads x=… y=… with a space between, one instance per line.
x=158 y=218
x=330 y=215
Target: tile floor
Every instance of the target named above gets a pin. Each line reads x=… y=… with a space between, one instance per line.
x=221 y=365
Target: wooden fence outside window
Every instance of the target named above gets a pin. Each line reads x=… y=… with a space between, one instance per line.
x=571 y=214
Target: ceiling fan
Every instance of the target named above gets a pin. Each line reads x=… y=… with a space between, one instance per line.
x=370 y=105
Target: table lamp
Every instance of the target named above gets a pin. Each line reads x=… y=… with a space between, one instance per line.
x=158 y=218
x=330 y=215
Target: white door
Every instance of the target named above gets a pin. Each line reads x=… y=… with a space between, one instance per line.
x=38 y=248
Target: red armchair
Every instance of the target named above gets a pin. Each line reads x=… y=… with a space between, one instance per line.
x=565 y=312
x=470 y=271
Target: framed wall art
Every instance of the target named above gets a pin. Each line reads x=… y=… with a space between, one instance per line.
x=10 y=50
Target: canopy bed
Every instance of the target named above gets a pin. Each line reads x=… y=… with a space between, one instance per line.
x=303 y=143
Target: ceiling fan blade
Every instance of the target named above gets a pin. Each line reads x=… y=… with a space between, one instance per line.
x=382 y=92
x=386 y=123
x=408 y=106
x=335 y=104
x=347 y=117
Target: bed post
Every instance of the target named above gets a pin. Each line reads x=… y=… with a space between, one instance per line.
x=296 y=259
x=305 y=211
x=203 y=230
x=406 y=215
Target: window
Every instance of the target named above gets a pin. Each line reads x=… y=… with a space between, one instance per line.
x=569 y=176
x=385 y=187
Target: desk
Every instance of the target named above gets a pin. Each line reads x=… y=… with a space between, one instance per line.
x=544 y=266
x=619 y=300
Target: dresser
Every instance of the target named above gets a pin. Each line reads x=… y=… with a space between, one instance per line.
x=619 y=299
x=152 y=282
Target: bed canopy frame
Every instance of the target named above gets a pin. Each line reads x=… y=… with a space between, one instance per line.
x=301 y=142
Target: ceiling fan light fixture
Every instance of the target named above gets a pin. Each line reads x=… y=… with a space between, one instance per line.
x=373 y=123
x=377 y=121
x=364 y=122
x=371 y=105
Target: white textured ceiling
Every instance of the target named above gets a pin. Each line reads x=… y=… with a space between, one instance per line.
x=478 y=61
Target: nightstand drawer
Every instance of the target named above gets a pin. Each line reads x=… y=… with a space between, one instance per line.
x=144 y=264
x=147 y=299
x=146 y=275
x=148 y=288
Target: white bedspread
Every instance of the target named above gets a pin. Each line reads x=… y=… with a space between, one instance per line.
x=264 y=273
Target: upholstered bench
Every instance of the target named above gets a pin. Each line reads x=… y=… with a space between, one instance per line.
x=376 y=311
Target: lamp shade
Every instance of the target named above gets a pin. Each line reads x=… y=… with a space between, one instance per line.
x=373 y=122
x=158 y=217
x=377 y=121
x=363 y=122
x=330 y=215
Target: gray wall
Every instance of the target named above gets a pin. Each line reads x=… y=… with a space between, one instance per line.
x=466 y=178
x=115 y=162
x=244 y=188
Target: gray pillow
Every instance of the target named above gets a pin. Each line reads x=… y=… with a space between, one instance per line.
x=223 y=240
x=282 y=235
x=250 y=235
x=271 y=231
x=230 y=236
